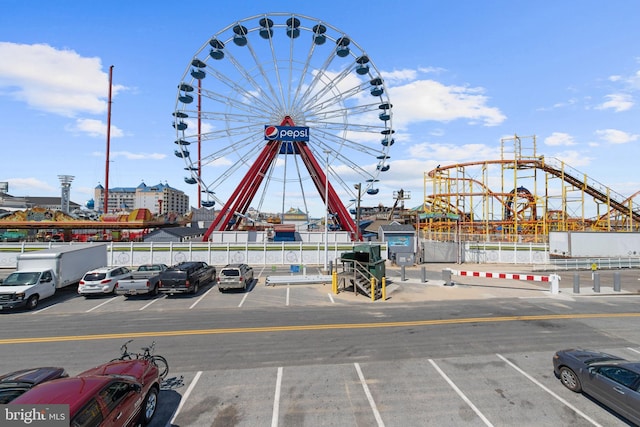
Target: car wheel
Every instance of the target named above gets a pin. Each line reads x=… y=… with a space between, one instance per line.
x=32 y=302
x=570 y=380
x=154 y=291
x=195 y=288
x=149 y=406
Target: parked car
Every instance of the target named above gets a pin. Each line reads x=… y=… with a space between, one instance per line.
x=611 y=380
x=123 y=393
x=235 y=276
x=186 y=277
x=102 y=280
x=143 y=281
x=16 y=383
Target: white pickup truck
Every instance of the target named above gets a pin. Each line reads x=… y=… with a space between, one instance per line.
x=143 y=281
x=27 y=288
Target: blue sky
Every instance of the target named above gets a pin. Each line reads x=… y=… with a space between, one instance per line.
x=461 y=76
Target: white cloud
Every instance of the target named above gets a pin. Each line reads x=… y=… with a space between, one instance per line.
x=131 y=156
x=632 y=81
x=429 y=100
x=449 y=153
x=137 y=156
x=617 y=102
x=573 y=158
x=29 y=186
x=614 y=136
x=95 y=128
x=399 y=75
x=55 y=81
x=559 y=138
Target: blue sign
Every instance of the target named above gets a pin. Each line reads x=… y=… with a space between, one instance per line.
x=286 y=133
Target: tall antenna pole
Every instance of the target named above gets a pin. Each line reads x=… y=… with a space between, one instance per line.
x=199 y=143
x=106 y=174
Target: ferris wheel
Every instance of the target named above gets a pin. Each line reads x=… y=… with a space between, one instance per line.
x=280 y=111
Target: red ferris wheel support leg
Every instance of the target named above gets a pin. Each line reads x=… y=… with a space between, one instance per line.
x=334 y=203
x=243 y=195
x=245 y=191
x=252 y=184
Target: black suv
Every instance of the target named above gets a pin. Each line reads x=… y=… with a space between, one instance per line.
x=186 y=277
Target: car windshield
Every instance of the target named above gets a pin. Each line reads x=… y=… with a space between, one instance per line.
x=93 y=277
x=21 y=279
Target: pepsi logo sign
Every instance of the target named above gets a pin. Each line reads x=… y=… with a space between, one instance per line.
x=271 y=132
x=286 y=133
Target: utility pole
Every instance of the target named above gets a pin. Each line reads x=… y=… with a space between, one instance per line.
x=106 y=178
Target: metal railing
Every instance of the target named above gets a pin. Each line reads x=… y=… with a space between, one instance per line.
x=555 y=264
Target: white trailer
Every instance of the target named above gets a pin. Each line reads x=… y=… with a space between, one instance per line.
x=69 y=263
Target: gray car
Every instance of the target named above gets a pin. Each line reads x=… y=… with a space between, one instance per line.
x=611 y=380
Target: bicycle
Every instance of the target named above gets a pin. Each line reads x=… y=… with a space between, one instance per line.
x=147 y=354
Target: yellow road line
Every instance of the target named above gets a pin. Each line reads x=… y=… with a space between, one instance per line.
x=319 y=327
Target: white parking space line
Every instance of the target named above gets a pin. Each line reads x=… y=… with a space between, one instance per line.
x=276 y=399
x=633 y=349
x=331 y=298
x=460 y=393
x=372 y=403
x=243 y=299
x=200 y=299
x=43 y=309
x=100 y=305
x=288 y=289
x=264 y=267
x=542 y=386
x=151 y=302
x=184 y=398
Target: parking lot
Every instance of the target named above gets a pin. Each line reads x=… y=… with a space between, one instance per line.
x=410 y=287
x=499 y=390
x=504 y=388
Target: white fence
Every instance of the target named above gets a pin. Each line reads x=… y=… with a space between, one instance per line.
x=278 y=254
x=136 y=253
x=506 y=253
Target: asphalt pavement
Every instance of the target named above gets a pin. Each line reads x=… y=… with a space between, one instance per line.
x=432 y=281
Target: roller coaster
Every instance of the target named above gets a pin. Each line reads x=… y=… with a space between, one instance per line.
x=520 y=197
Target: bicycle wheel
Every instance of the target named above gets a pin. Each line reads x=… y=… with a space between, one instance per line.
x=162 y=364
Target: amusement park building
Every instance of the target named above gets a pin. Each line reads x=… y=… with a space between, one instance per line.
x=158 y=199
x=11 y=203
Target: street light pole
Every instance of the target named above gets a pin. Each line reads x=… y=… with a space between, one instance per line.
x=358 y=187
x=326 y=210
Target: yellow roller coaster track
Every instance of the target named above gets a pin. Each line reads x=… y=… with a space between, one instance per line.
x=523 y=208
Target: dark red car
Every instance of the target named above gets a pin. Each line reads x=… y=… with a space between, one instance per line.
x=119 y=393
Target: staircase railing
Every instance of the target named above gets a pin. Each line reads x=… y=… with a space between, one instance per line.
x=357 y=274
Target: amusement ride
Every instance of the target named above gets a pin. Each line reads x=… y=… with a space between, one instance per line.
x=276 y=109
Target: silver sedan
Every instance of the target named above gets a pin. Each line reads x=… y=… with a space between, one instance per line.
x=611 y=380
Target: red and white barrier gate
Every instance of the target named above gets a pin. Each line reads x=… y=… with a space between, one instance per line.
x=553 y=279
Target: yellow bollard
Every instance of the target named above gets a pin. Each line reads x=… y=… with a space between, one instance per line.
x=334 y=282
x=373 y=289
x=384 y=289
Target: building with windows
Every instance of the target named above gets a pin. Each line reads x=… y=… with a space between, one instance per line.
x=158 y=199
